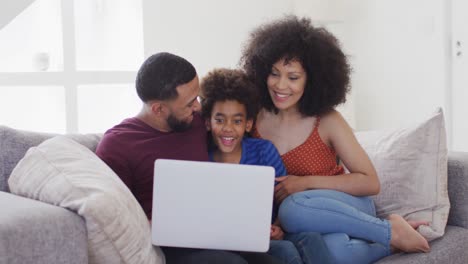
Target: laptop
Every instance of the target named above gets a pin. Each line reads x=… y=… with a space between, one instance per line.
x=212 y=205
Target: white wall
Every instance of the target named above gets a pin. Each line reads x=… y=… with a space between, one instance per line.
x=208 y=33
x=460 y=75
x=398 y=50
x=334 y=15
x=211 y=33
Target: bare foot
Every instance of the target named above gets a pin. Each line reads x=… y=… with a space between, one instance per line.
x=404 y=236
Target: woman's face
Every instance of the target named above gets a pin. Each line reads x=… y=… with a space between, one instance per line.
x=286 y=83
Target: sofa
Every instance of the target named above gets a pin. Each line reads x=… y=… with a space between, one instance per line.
x=36 y=232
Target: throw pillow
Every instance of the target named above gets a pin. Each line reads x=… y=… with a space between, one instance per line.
x=64 y=173
x=412 y=167
x=15 y=142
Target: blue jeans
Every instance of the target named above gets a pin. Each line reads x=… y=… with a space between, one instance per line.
x=352 y=232
x=306 y=247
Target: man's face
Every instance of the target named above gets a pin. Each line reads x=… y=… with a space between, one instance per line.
x=177 y=125
x=182 y=108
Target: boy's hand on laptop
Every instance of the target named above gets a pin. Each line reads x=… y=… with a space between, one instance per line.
x=276 y=232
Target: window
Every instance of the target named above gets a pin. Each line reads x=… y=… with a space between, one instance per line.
x=95 y=113
x=72 y=67
x=38 y=107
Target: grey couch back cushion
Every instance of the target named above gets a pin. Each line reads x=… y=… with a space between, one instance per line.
x=14 y=144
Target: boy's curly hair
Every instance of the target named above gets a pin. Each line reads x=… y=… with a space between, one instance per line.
x=222 y=85
x=315 y=48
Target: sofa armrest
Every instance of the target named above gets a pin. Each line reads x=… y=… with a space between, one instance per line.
x=458 y=188
x=35 y=232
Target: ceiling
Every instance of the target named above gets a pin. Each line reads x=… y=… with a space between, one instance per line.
x=10 y=9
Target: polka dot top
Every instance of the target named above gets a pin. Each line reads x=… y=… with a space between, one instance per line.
x=313 y=157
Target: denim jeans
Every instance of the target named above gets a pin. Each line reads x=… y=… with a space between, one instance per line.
x=285 y=250
x=305 y=247
x=350 y=228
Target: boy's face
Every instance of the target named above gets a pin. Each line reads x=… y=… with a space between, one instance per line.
x=228 y=123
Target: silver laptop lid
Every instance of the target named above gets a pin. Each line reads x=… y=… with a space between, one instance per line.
x=212 y=205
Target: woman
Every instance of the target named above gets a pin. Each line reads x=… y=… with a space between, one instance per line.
x=303 y=75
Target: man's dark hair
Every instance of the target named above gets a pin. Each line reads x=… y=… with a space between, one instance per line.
x=160 y=75
x=222 y=85
x=316 y=49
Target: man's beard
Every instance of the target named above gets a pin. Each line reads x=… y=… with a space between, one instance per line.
x=177 y=125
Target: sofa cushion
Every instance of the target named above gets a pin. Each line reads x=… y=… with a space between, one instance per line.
x=458 y=189
x=14 y=144
x=451 y=248
x=32 y=231
x=63 y=172
x=412 y=167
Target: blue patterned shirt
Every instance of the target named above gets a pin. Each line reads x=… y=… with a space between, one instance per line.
x=261 y=152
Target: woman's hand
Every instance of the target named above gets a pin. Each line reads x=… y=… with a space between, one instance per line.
x=288 y=185
x=276 y=232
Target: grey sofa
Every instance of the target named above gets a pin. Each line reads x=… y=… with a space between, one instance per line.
x=35 y=232
x=32 y=231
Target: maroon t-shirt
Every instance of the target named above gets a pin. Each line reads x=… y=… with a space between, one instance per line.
x=131 y=147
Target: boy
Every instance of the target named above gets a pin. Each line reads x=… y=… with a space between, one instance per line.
x=229 y=106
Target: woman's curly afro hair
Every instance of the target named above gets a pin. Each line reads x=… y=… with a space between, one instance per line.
x=317 y=50
x=222 y=85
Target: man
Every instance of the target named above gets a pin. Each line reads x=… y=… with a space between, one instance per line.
x=168 y=126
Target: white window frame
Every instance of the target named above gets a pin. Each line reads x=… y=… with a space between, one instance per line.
x=70 y=78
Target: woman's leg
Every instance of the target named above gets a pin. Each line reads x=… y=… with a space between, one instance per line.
x=311 y=247
x=328 y=211
x=285 y=251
